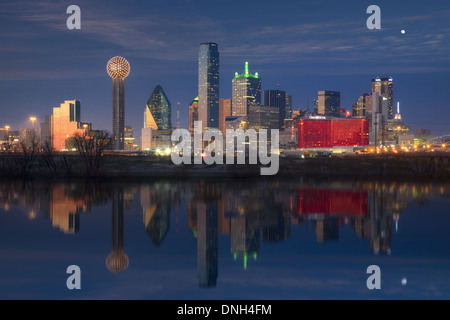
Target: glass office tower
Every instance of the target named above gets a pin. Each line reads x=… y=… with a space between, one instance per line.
x=158 y=105
x=385 y=86
x=208 y=85
x=329 y=103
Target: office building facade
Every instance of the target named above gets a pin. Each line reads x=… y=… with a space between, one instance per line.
x=362 y=109
x=65 y=123
x=263 y=117
x=276 y=99
x=385 y=86
x=328 y=132
x=246 y=89
x=208 y=85
x=225 y=107
x=158 y=111
x=329 y=103
x=193 y=115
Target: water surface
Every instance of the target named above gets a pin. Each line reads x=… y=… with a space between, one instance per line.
x=228 y=239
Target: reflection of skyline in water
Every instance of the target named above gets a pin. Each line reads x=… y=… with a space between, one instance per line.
x=251 y=215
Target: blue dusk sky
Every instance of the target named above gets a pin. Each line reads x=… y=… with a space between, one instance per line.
x=302 y=46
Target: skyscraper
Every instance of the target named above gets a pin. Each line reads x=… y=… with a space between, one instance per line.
x=288 y=107
x=208 y=85
x=385 y=86
x=246 y=92
x=276 y=99
x=362 y=109
x=65 y=123
x=225 y=106
x=329 y=103
x=158 y=112
x=118 y=69
x=380 y=113
x=193 y=114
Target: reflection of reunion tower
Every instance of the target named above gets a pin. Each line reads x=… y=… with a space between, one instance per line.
x=117 y=261
x=118 y=68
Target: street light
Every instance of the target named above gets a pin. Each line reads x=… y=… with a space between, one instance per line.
x=33 y=119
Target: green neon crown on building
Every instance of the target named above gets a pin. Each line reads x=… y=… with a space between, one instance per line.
x=246 y=74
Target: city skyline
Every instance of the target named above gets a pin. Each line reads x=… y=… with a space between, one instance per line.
x=317 y=51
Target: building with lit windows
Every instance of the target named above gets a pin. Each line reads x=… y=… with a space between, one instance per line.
x=379 y=118
x=263 y=117
x=225 y=106
x=28 y=138
x=276 y=99
x=246 y=89
x=328 y=132
x=385 y=86
x=65 y=123
x=362 y=109
x=329 y=103
x=208 y=85
x=158 y=111
x=288 y=114
x=157 y=121
x=234 y=123
x=129 y=138
x=193 y=115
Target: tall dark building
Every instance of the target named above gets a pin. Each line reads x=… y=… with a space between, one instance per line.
x=208 y=85
x=276 y=99
x=329 y=103
x=160 y=109
x=288 y=106
x=246 y=92
x=118 y=69
x=385 y=86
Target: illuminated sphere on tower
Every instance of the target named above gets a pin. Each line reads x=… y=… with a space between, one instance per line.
x=118 y=67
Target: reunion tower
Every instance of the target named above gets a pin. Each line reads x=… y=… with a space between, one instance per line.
x=118 y=69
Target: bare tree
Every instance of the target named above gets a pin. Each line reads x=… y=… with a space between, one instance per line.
x=91 y=150
x=30 y=148
x=48 y=157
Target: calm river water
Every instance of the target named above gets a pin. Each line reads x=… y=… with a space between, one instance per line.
x=228 y=239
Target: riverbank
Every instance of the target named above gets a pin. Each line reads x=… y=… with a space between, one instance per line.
x=115 y=166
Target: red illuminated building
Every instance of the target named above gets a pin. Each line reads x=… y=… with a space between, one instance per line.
x=327 y=132
x=331 y=202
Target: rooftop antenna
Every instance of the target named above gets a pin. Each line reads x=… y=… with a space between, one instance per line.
x=307 y=105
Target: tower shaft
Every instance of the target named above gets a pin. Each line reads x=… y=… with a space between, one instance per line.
x=118 y=134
